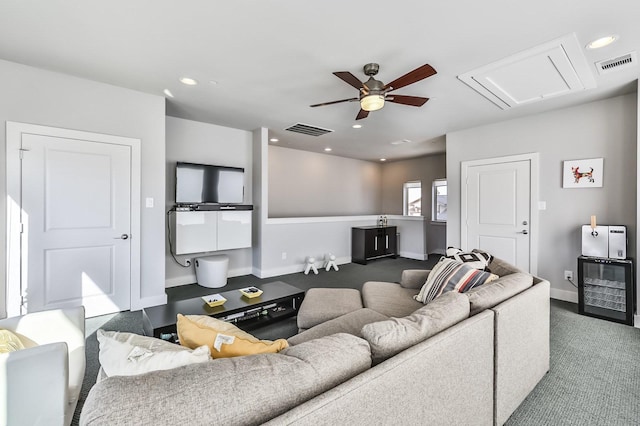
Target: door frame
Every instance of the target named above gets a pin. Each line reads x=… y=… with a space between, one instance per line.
x=534 y=194
x=15 y=263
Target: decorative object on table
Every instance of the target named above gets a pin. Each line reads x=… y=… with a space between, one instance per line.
x=214 y=300
x=251 y=292
x=330 y=262
x=310 y=265
x=583 y=173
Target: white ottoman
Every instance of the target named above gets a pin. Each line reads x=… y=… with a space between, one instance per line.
x=211 y=271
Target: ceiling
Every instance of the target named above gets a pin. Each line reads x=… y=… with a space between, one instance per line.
x=270 y=60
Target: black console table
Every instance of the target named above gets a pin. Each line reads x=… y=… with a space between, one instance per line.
x=279 y=300
x=372 y=242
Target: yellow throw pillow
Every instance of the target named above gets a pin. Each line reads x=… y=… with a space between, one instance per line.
x=9 y=342
x=224 y=339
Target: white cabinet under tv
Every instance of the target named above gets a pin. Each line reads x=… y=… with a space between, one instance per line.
x=200 y=231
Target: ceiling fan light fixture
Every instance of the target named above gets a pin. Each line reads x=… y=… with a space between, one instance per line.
x=372 y=102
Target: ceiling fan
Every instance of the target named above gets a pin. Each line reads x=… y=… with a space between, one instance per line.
x=374 y=93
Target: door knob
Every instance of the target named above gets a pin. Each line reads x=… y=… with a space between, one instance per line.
x=524 y=231
x=121 y=237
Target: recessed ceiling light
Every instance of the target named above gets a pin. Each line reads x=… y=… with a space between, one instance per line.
x=328 y=149
x=188 y=81
x=274 y=140
x=383 y=159
x=602 y=42
x=357 y=126
x=168 y=93
x=400 y=142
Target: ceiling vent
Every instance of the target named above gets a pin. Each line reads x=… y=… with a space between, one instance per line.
x=549 y=70
x=615 y=64
x=306 y=129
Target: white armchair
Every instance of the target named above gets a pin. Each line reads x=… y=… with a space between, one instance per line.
x=40 y=385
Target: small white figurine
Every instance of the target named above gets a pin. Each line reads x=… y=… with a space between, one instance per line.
x=311 y=266
x=330 y=262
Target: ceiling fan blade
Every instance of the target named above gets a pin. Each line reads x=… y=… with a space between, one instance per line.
x=334 y=102
x=349 y=78
x=362 y=114
x=407 y=100
x=411 y=77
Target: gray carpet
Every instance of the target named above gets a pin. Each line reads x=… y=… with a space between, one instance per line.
x=595 y=364
x=594 y=377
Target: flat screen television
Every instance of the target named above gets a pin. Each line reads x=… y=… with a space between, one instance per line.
x=209 y=184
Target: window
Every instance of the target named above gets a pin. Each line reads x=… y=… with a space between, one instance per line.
x=412 y=199
x=439 y=213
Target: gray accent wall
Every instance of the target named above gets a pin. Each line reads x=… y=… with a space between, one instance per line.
x=204 y=143
x=607 y=129
x=35 y=96
x=304 y=184
x=424 y=169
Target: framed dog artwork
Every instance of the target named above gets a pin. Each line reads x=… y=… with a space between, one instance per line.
x=583 y=173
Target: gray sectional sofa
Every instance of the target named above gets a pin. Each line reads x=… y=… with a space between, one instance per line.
x=467 y=358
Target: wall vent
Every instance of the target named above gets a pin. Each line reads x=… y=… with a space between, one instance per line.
x=615 y=64
x=307 y=129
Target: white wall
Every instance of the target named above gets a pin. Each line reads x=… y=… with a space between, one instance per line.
x=311 y=184
x=204 y=143
x=36 y=96
x=424 y=169
x=607 y=129
x=412 y=242
x=309 y=202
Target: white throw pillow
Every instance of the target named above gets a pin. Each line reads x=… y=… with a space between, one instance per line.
x=119 y=357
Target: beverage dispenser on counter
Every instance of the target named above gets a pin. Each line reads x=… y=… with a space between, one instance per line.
x=609 y=241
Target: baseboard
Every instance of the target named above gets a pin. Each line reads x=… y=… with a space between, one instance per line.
x=415 y=256
x=441 y=252
x=636 y=321
x=294 y=269
x=191 y=278
x=565 y=295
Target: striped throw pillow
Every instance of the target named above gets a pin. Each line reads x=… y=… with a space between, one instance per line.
x=451 y=275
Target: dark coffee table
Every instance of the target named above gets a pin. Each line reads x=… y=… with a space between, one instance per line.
x=279 y=300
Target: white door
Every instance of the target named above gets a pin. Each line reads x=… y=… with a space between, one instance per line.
x=76 y=216
x=496 y=214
